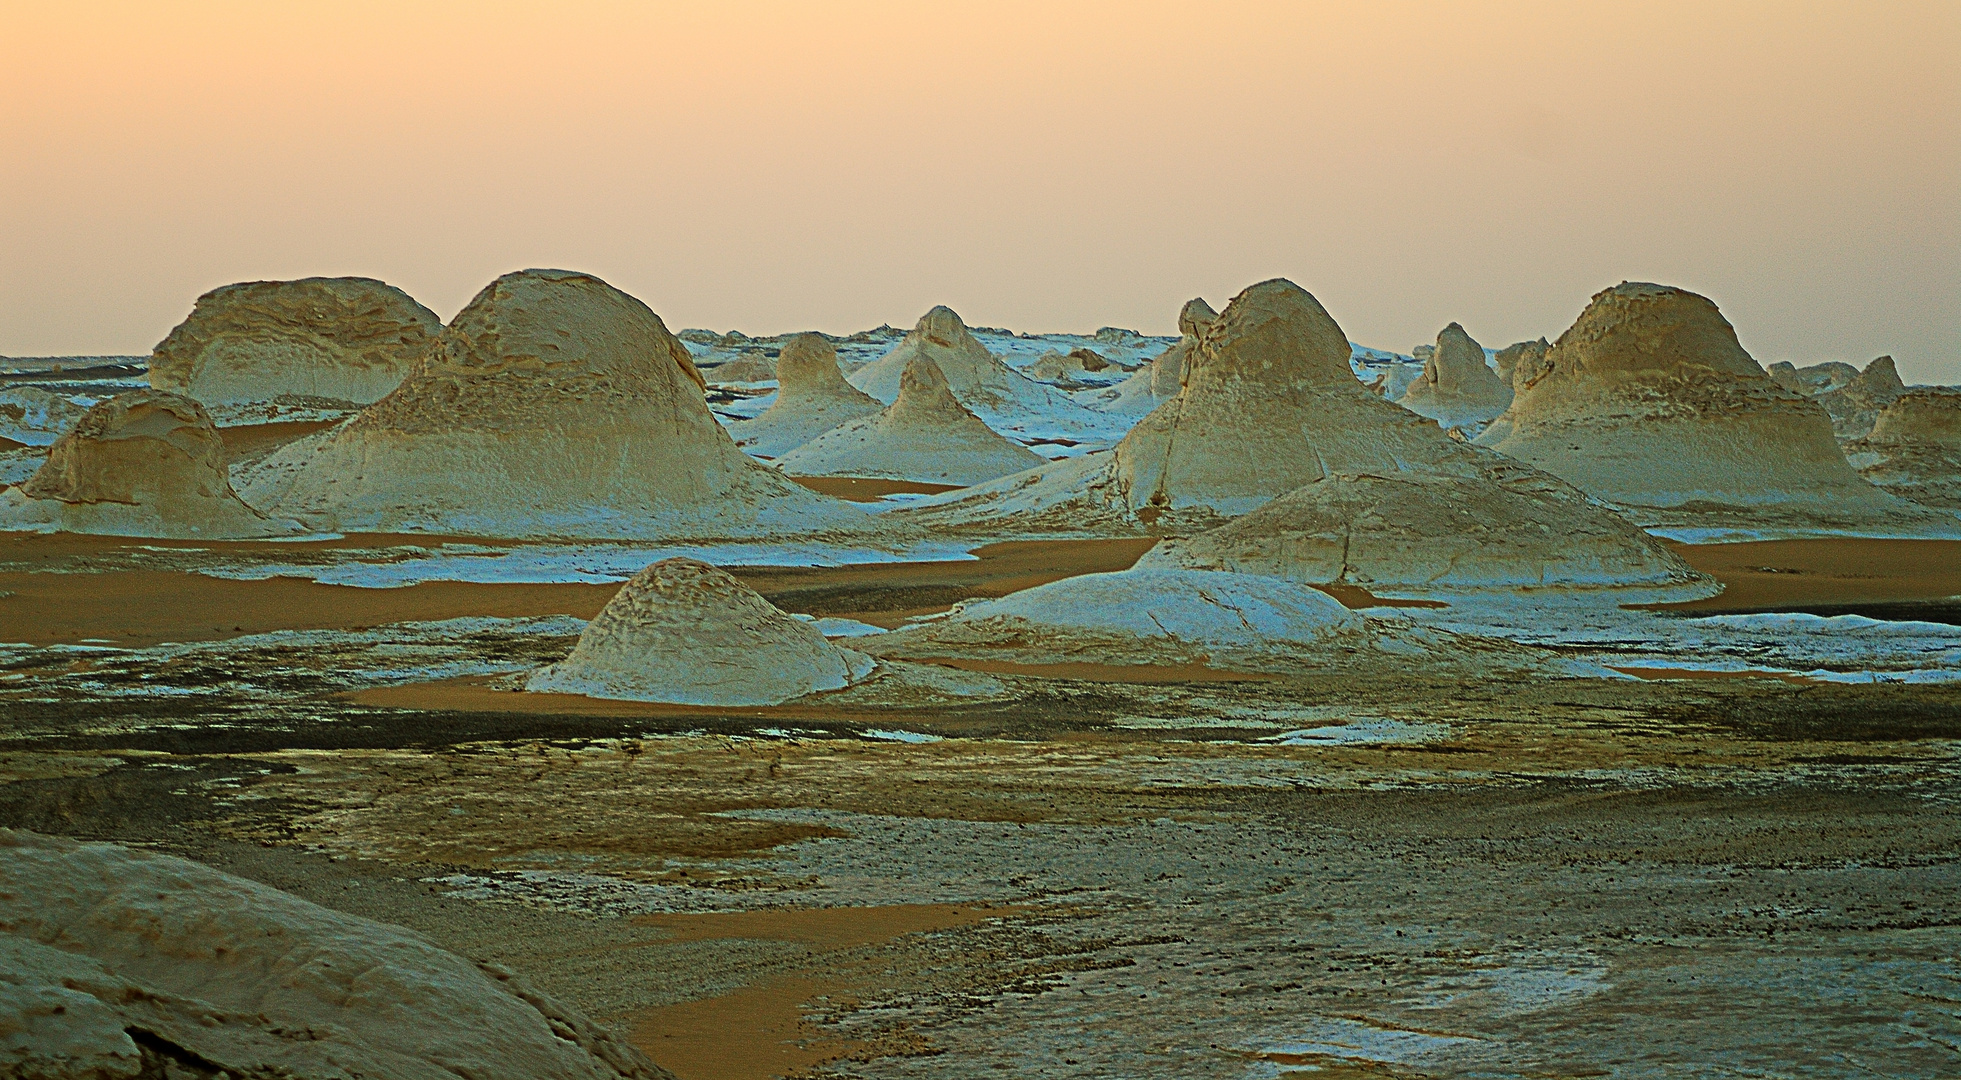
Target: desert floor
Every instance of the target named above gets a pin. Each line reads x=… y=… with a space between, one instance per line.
x=1113 y=873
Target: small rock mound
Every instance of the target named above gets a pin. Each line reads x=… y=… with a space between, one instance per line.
x=751 y=366
x=1457 y=388
x=685 y=632
x=811 y=399
x=999 y=394
x=554 y=405
x=336 y=341
x=122 y=963
x=1055 y=367
x=1415 y=533
x=144 y=463
x=1138 y=616
x=1524 y=356
x=32 y=416
x=1649 y=402
x=1855 y=406
x=1914 y=450
x=926 y=436
x=1161 y=379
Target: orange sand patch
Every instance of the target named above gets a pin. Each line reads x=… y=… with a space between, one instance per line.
x=868 y=489
x=1354 y=596
x=144 y=607
x=9 y=444
x=1661 y=674
x=1116 y=673
x=1786 y=574
x=759 y=1031
x=257 y=440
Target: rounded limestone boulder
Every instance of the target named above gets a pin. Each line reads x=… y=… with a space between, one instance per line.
x=144 y=463
x=333 y=341
x=687 y=633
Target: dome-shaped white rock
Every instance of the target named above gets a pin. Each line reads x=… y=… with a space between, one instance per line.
x=1456 y=388
x=685 y=632
x=811 y=399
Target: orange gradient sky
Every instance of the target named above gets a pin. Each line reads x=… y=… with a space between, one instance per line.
x=774 y=166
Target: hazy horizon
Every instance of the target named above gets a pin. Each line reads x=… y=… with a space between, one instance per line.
x=776 y=166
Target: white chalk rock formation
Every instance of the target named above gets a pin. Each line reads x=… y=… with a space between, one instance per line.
x=333 y=341
x=1855 y=406
x=1160 y=380
x=811 y=399
x=1526 y=356
x=1067 y=368
x=1138 y=616
x=1649 y=403
x=685 y=632
x=1269 y=404
x=926 y=436
x=997 y=393
x=1417 y=533
x=554 y=405
x=144 y=463
x=123 y=963
x=1914 y=450
x=748 y=367
x=1813 y=380
x=32 y=416
x=1457 y=388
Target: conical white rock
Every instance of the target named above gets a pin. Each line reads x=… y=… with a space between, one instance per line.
x=685 y=632
x=926 y=436
x=1269 y=403
x=1162 y=378
x=144 y=463
x=217 y=975
x=335 y=340
x=1406 y=533
x=1456 y=388
x=811 y=399
x=554 y=405
x=1649 y=402
x=1000 y=395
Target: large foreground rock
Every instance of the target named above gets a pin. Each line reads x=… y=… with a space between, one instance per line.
x=144 y=463
x=1457 y=388
x=118 y=963
x=1649 y=402
x=926 y=436
x=1411 y=533
x=685 y=632
x=811 y=399
x=554 y=405
x=332 y=341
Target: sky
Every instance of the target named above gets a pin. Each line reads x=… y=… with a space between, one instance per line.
x=769 y=166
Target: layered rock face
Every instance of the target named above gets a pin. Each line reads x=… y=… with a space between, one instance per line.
x=685 y=632
x=344 y=341
x=1161 y=379
x=1855 y=406
x=1269 y=403
x=1416 y=533
x=1457 y=388
x=996 y=392
x=122 y=963
x=554 y=405
x=144 y=463
x=1521 y=360
x=1649 y=402
x=811 y=399
x=1914 y=449
x=926 y=436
